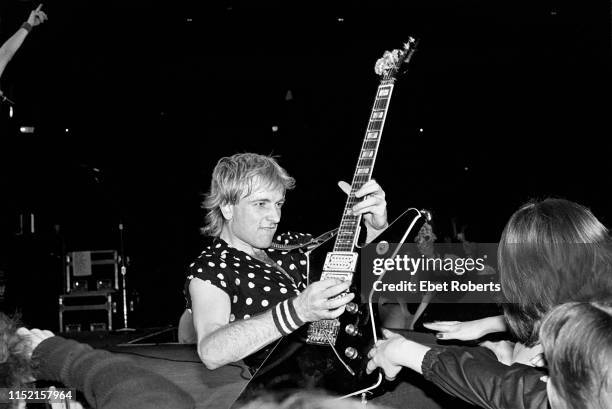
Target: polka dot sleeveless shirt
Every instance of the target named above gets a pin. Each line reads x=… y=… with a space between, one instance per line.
x=253 y=286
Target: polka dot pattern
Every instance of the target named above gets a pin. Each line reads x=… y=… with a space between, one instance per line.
x=253 y=286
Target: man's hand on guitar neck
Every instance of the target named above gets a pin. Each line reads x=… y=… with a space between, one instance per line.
x=373 y=207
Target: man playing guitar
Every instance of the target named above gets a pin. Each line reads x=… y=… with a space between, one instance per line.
x=243 y=294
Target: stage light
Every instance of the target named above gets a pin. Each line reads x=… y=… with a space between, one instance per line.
x=67 y=130
x=420 y=129
x=10 y=112
x=340 y=19
x=26 y=129
x=275 y=128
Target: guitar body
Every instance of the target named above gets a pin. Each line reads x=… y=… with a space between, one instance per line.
x=296 y=365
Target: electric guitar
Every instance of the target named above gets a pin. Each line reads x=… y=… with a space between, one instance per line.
x=331 y=355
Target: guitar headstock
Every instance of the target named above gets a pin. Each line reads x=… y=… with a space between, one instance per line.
x=392 y=61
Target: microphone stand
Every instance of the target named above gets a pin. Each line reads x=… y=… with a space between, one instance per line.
x=98 y=178
x=123 y=287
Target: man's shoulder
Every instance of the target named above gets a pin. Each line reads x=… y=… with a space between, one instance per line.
x=213 y=256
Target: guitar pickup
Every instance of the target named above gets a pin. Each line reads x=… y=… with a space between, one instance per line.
x=337 y=276
x=341 y=261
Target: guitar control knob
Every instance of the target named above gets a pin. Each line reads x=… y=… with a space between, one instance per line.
x=351 y=353
x=351 y=330
x=352 y=308
x=382 y=248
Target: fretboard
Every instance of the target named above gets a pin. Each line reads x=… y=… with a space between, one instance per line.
x=365 y=165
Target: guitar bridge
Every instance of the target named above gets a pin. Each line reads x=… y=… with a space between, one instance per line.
x=323 y=332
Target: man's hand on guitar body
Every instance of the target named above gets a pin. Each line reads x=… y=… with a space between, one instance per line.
x=373 y=207
x=319 y=300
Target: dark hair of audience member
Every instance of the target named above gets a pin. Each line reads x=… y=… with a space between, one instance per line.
x=577 y=342
x=552 y=251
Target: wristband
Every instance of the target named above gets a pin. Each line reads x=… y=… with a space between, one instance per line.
x=26 y=26
x=286 y=318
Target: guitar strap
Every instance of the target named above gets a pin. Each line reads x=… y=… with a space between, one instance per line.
x=308 y=245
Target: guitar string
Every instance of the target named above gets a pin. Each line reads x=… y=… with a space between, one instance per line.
x=386 y=79
x=357 y=178
x=356 y=184
x=360 y=180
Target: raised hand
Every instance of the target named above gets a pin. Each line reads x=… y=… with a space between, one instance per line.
x=37 y=16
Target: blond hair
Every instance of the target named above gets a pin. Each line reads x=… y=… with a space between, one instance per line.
x=234 y=178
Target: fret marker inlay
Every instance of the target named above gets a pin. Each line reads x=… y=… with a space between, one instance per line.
x=383 y=92
x=367 y=153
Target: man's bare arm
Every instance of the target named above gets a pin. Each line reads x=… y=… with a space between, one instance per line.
x=10 y=46
x=237 y=340
x=221 y=342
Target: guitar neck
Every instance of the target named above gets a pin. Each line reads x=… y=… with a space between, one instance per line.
x=365 y=165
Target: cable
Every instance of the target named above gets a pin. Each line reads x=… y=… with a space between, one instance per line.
x=348 y=368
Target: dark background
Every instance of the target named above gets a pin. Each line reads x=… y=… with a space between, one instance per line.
x=134 y=102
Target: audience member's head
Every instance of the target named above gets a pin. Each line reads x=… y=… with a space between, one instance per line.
x=552 y=251
x=234 y=178
x=577 y=342
x=15 y=369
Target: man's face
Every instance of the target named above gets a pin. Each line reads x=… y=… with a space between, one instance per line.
x=253 y=220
